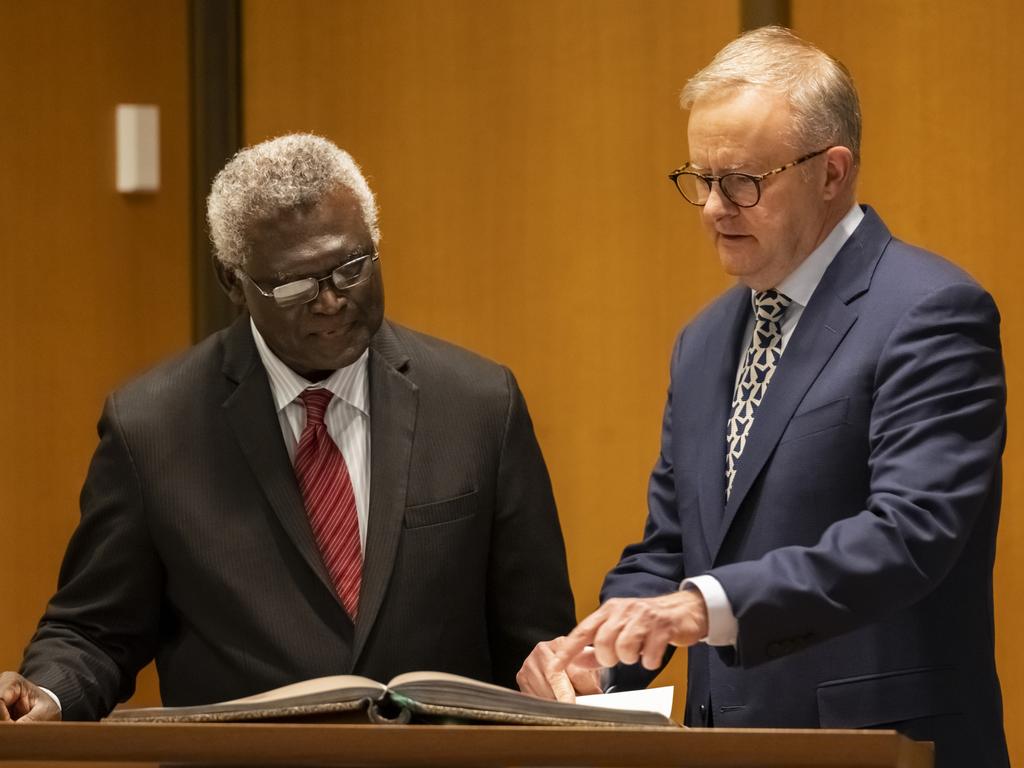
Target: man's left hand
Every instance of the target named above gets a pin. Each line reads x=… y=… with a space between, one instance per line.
x=23 y=701
x=628 y=630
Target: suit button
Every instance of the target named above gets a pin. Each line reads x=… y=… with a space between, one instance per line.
x=703 y=713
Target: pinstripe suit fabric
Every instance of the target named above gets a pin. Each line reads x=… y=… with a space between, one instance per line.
x=194 y=547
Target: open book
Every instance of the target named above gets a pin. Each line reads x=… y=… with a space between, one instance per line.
x=429 y=697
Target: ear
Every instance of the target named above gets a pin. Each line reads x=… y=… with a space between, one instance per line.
x=839 y=172
x=230 y=282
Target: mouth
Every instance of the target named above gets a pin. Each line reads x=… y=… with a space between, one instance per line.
x=727 y=239
x=333 y=331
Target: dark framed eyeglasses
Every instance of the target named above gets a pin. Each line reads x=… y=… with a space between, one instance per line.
x=304 y=290
x=741 y=189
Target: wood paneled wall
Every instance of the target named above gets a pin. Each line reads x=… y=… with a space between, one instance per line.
x=519 y=152
x=943 y=108
x=95 y=284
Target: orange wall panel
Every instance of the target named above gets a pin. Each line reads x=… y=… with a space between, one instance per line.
x=519 y=152
x=96 y=285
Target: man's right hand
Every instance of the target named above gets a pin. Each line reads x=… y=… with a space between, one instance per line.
x=24 y=701
x=543 y=676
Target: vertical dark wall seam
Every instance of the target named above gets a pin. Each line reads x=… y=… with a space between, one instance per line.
x=216 y=91
x=760 y=13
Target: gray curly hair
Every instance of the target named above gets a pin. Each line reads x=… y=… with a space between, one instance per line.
x=264 y=180
x=819 y=88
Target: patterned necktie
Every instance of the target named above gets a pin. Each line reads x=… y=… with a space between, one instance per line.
x=758 y=368
x=330 y=501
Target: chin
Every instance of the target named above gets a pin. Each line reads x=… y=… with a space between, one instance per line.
x=740 y=262
x=334 y=362
x=318 y=364
x=734 y=267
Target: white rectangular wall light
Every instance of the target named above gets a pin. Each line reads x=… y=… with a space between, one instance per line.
x=138 y=148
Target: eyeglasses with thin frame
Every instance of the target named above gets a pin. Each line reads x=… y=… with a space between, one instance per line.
x=304 y=290
x=741 y=189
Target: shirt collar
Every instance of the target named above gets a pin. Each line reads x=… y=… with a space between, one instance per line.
x=348 y=383
x=801 y=282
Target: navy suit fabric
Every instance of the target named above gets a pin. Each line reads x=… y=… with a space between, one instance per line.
x=857 y=545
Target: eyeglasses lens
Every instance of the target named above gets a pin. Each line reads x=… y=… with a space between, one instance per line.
x=351 y=273
x=348 y=275
x=738 y=188
x=297 y=292
x=742 y=190
x=693 y=187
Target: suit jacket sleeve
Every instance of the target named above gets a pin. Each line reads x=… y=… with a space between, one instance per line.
x=100 y=627
x=936 y=431
x=527 y=557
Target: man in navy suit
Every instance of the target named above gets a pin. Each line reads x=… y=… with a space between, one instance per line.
x=823 y=512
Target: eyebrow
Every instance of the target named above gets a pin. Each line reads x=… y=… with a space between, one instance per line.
x=721 y=171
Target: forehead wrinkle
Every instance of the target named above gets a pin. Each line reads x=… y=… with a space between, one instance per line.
x=720 y=167
x=322 y=254
x=326 y=244
x=718 y=152
x=742 y=130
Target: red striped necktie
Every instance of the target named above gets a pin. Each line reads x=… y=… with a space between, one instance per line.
x=329 y=499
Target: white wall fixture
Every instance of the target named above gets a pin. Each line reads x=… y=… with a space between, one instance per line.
x=138 y=148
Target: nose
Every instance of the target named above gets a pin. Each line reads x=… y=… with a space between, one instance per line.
x=718 y=204
x=330 y=300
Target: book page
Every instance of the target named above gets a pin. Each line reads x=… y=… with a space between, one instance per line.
x=645 y=700
x=334 y=695
x=309 y=687
x=440 y=694
x=441 y=677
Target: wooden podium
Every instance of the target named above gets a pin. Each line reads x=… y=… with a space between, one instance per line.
x=211 y=744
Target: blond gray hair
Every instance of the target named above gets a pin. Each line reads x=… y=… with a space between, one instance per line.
x=263 y=181
x=819 y=89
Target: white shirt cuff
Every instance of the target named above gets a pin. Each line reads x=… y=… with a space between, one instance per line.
x=722 y=625
x=53 y=696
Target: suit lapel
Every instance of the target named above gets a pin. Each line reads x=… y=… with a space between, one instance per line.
x=250 y=412
x=821 y=328
x=393 y=405
x=826 y=320
x=720 y=360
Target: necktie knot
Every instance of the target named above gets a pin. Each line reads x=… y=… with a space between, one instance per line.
x=316 y=402
x=770 y=306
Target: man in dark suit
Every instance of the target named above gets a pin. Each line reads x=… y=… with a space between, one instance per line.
x=312 y=491
x=823 y=512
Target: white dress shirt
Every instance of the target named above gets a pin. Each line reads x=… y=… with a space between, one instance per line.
x=799 y=286
x=347 y=418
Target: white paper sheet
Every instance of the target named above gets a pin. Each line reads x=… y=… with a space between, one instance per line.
x=648 y=700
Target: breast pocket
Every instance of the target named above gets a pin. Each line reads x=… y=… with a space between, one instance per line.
x=441 y=512
x=817 y=419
